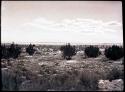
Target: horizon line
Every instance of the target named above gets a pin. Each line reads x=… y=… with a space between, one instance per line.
x=60 y=43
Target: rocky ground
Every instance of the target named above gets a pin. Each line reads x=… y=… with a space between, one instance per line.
x=49 y=71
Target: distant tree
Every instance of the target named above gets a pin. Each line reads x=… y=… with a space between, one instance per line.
x=4 y=52
x=17 y=51
x=114 y=52
x=30 y=49
x=92 y=51
x=68 y=51
x=14 y=50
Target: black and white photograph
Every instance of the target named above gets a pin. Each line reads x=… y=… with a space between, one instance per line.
x=62 y=46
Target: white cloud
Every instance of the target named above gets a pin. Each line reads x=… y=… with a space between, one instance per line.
x=83 y=26
x=75 y=30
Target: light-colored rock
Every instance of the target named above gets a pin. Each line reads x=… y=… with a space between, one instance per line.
x=51 y=90
x=59 y=52
x=28 y=56
x=115 y=85
x=71 y=61
x=80 y=52
x=4 y=69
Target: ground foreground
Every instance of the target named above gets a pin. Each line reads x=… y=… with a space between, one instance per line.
x=50 y=72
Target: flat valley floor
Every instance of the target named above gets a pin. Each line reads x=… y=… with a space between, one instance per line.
x=48 y=71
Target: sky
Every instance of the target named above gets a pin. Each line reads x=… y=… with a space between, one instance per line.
x=61 y=21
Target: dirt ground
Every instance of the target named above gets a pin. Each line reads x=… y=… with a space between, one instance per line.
x=49 y=71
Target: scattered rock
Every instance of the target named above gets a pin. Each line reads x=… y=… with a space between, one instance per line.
x=115 y=85
x=71 y=61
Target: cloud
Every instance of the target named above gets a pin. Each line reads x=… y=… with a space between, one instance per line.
x=76 y=25
x=70 y=30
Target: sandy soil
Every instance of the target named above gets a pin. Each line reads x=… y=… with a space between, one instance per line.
x=51 y=64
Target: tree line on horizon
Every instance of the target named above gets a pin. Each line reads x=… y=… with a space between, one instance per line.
x=113 y=52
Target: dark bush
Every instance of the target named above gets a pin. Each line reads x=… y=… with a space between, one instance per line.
x=68 y=51
x=14 y=51
x=92 y=51
x=30 y=49
x=10 y=52
x=123 y=61
x=114 y=52
x=115 y=73
x=4 y=52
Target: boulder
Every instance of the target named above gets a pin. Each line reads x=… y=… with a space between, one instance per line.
x=114 y=85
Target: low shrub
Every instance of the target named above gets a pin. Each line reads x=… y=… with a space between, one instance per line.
x=115 y=73
x=30 y=49
x=114 y=52
x=92 y=51
x=10 y=81
x=13 y=51
x=89 y=79
x=68 y=51
x=4 y=52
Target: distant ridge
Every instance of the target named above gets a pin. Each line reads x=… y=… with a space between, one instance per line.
x=62 y=43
